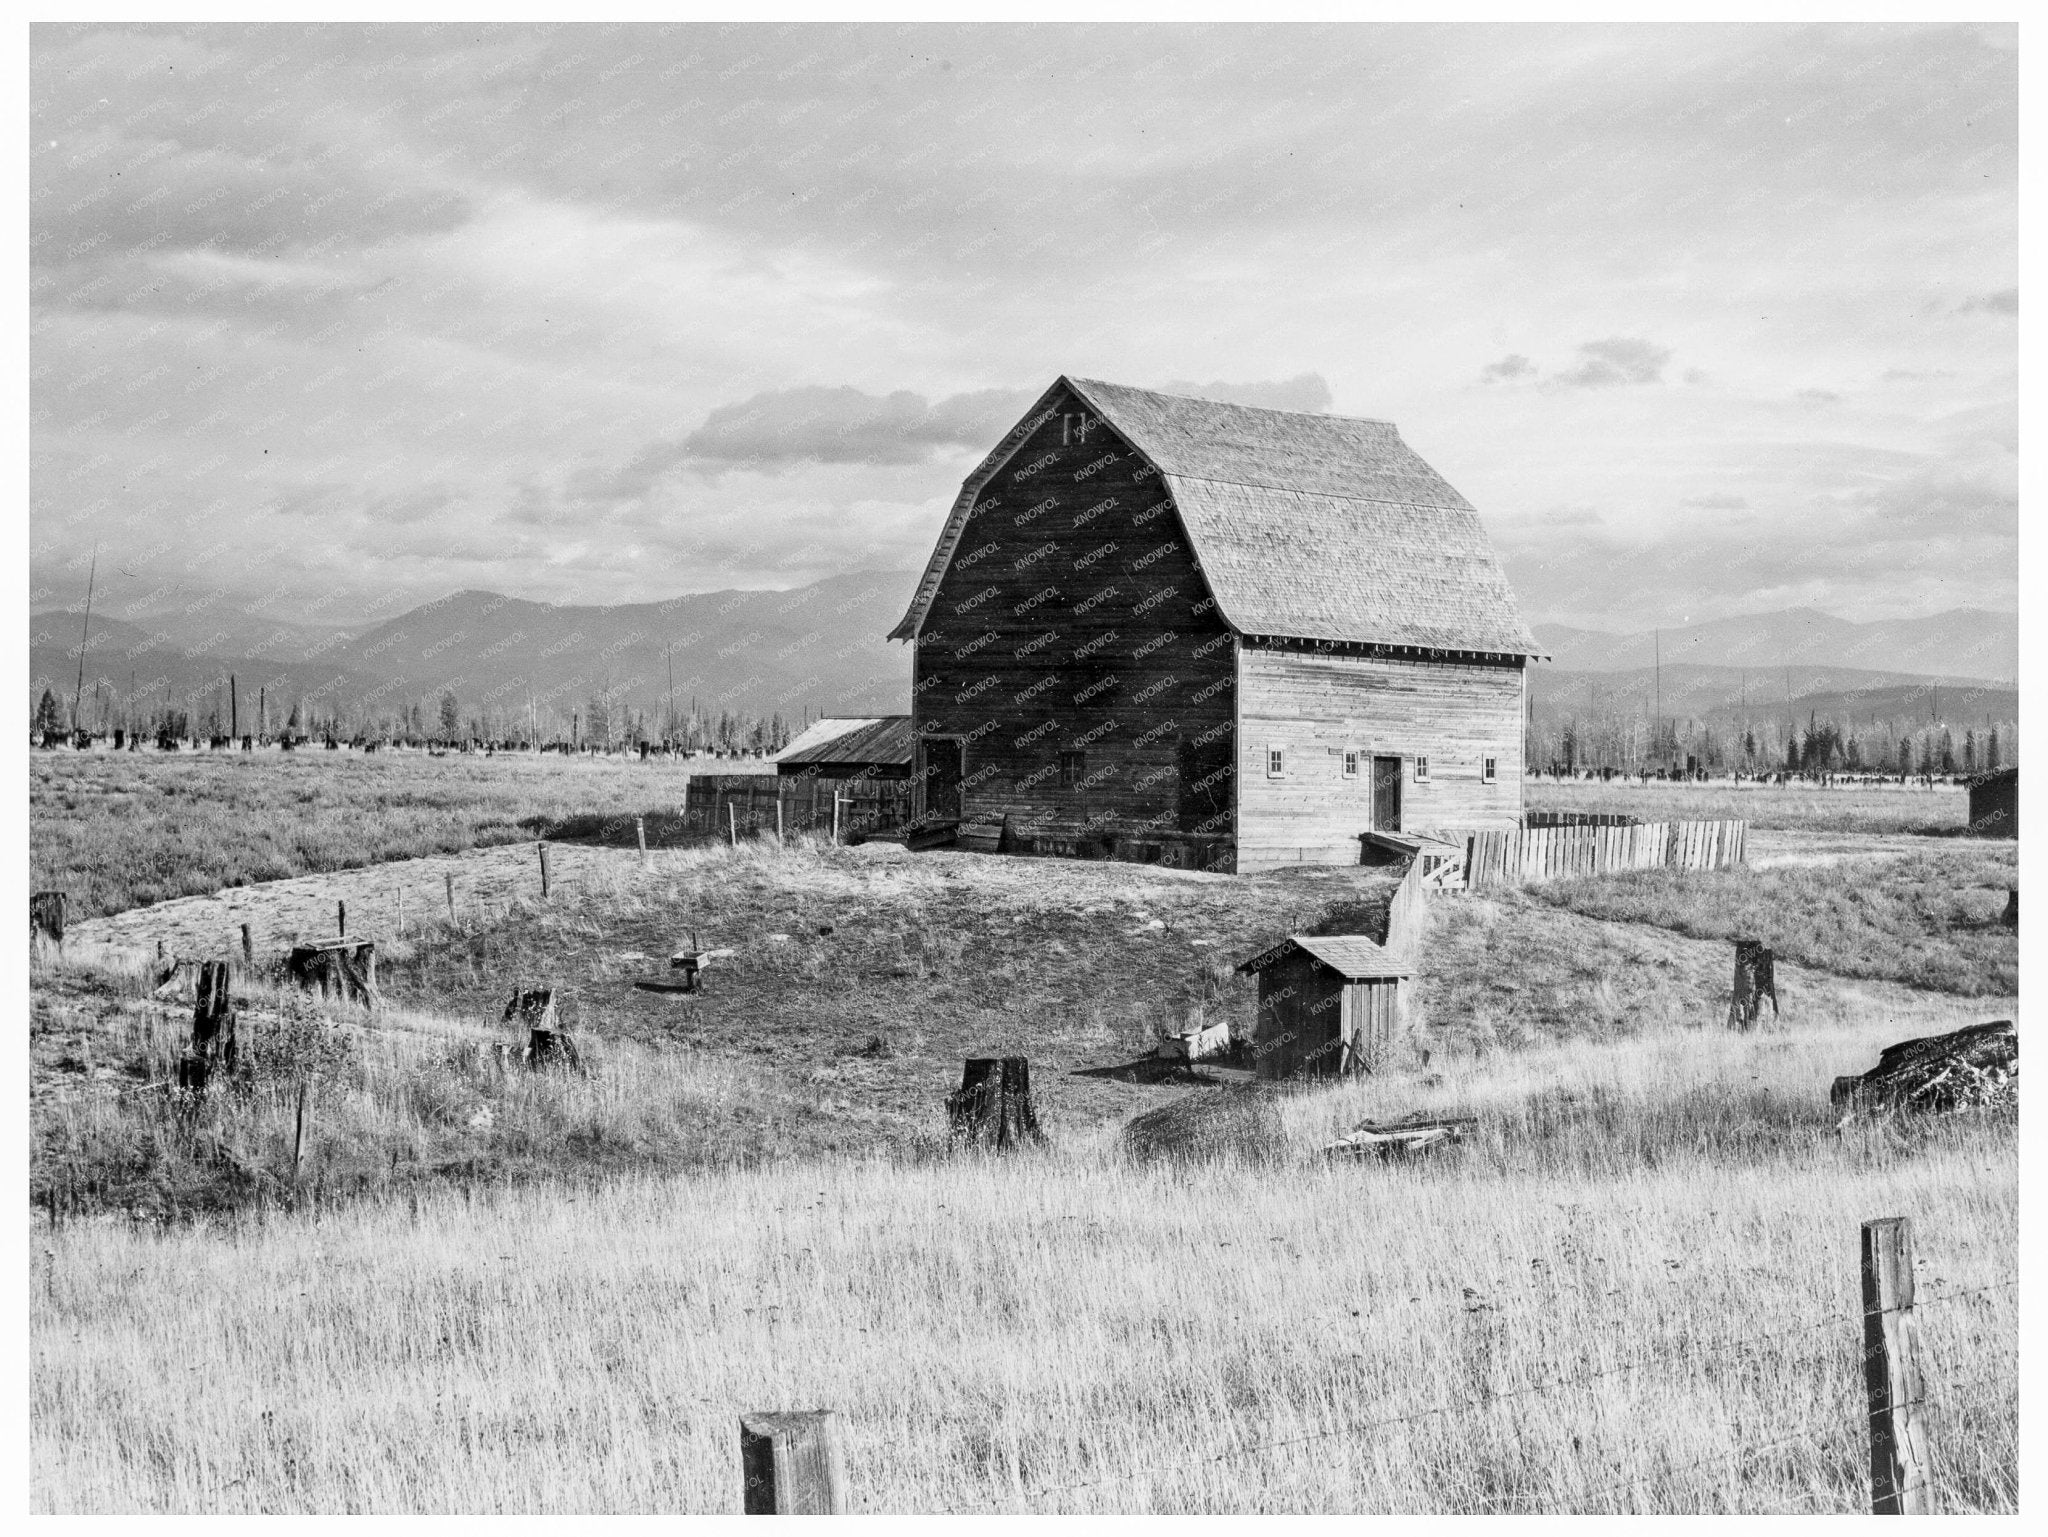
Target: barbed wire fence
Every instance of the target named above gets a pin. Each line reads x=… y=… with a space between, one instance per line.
x=1902 y=1472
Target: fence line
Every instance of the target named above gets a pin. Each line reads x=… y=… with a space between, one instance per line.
x=1508 y=856
x=1686 y=1360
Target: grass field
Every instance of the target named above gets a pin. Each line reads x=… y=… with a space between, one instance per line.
x=1928 y=920
x=1633 y=1288
x=117 y=831
x=1637 y=1292
x=1804 y=808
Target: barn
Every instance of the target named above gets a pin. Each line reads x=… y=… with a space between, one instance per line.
x=1165 y=629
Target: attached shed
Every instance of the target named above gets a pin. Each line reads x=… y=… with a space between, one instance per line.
x=1329 y=1004
x=1995 y=804
x=834 y=747
x=1162 y=628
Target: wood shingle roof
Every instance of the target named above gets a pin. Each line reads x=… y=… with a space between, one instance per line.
x=1306 y=527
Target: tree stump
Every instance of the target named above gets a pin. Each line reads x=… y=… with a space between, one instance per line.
x=2012 y=910
x=1755 y=979
x=992 y=1107
x=46 y=921
x=342 y=968
x=213 y=1029
x=547 y=1043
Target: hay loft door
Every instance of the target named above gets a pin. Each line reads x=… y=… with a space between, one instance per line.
x=941 y=767
x=1386 y=795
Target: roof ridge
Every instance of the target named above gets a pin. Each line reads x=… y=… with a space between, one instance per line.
x=1205 y=400
x=1334 y=496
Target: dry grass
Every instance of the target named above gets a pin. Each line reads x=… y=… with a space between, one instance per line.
x=1801 y=807
x=117 y=831
x=398 y=1101
x=1930 y=920
x=1636 y=1293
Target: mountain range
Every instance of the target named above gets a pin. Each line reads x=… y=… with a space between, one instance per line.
x=820 y=650
x=1959 y=643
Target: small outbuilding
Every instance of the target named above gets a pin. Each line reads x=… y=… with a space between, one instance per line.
x=837 y=747
x=1329 y=1004
x=1995 y=804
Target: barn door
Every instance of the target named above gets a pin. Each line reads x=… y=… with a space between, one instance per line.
x=1206 y=783
x=941 y=768
x=1386 y=795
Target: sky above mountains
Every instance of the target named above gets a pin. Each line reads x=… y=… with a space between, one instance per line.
x=1704 y=320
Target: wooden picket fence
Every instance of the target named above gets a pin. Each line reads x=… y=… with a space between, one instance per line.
x=1513 y=856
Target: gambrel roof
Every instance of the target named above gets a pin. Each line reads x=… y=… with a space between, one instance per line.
x=1306 y=527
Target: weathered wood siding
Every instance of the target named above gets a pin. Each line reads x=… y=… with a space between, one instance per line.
x=1316 y=704
x=1301 y=1020
x=1073 y=619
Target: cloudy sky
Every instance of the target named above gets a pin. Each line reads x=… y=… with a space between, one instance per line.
x=1705 y=320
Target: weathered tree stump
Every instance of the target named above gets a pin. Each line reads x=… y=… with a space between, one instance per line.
x=46 y=921
x=1756 y=978
x=341 y=968
x=2012 y=910
x=992 y=1107
x=1977 y=1068
x=547 y=1043
x=213 y=1046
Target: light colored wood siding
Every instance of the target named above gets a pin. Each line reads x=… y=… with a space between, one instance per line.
x=1315 y=705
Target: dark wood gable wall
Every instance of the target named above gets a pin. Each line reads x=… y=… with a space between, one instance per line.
x=1073 y=647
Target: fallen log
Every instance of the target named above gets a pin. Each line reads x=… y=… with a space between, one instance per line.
x=1977 y=1068
x=1401 y=1139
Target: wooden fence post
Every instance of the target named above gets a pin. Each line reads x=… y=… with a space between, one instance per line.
x=793 y=1463
x=248 y=948
x=450 y=879
x=341 y=920
x=1901 y=1471
x=543 y=872
x=298 y=1133
x=835 y=814
x=732 y=825
x=640 y=832
x=778 y=816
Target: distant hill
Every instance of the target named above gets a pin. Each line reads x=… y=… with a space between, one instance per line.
x=818 y=649
x=127 y=662
x=1961 y=643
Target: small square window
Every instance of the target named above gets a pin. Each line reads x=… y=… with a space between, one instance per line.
x=1276 y=761
x=1073 y=768
x=1492 y=772
x=1422 y=768
x=1350 y=763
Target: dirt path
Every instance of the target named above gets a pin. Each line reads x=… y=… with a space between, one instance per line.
x=383 y=901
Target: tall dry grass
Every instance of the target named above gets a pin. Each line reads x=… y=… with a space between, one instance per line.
x=1636 y=1292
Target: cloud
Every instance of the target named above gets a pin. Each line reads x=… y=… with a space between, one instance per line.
x=2006 y=301
x=1618 y=360
x=816 y=424
x=1719 y=501
x=1513 y=366
x=1304 y=392
x=1818 y=397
